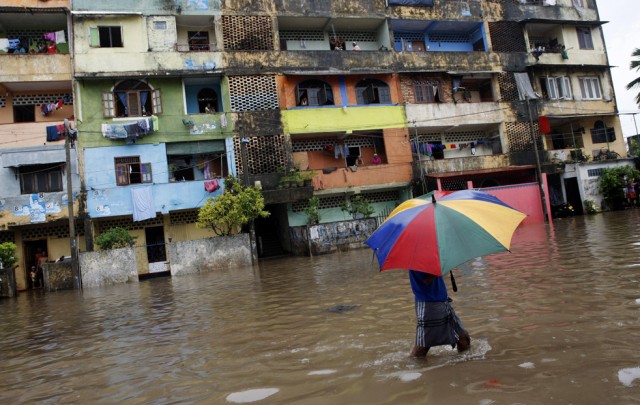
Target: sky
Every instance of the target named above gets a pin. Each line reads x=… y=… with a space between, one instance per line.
x=621 y=38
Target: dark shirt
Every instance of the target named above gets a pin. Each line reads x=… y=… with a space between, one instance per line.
x=434 y=291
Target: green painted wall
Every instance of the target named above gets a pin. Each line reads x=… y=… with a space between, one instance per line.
x=338 y=119
x=172 y=129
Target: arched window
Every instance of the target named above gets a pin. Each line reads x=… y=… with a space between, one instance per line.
x=373 y=91
x=314 y=92
x=207 y=100
x=131 y=98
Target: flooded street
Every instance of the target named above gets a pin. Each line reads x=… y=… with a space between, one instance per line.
x=555 y=322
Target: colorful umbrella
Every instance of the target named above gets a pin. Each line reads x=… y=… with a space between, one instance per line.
x=434 y=237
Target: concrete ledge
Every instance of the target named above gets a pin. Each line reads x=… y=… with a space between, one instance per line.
x=209 y=254
x=107 y=267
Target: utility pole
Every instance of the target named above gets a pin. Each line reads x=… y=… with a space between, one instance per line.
x=75 y=269
x=538 y=167
x=245 y=179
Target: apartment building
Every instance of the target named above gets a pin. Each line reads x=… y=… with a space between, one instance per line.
x=383 y=99
x=36 y=98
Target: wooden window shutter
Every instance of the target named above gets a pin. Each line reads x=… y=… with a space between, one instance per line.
x=145 y=168
x=94 y=37
x=108 y=106
x=122 y=174
x=156 y=102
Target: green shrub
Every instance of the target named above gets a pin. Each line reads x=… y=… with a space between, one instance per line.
x=358 y=207
x=590 y=207
x=115 y=238
x=8 y=254
x=312 y=211
x=236 y=207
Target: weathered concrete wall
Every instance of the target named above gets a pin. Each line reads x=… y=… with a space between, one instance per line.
x=203 y=255
x=107 y=267
x=58 y=276
x=8 y=282
x=332 y=237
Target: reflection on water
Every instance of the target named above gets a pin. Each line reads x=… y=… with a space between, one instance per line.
x=556 y=321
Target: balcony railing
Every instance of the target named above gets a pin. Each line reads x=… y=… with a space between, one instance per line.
x=195 y=48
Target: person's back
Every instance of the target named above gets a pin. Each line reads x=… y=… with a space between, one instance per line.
x=427 y=287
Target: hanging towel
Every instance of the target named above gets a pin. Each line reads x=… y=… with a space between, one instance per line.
x=142 y=201
x=50 y=36
x=60 y=39
x=52 y=134
x=212 y=185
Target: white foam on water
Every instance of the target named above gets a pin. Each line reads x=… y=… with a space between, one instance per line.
x=548 y=360
x=254 y=395
x=527 y=365
x=486 y=402
x=406 y=377
x=637 y=300
x=627 y=375
x=321 y=372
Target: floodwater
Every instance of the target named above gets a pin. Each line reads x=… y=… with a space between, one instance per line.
x=557 y=321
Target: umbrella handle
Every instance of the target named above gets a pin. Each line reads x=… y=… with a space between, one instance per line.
x=454 y=286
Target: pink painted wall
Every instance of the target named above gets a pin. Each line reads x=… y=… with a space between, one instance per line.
x=523 y=197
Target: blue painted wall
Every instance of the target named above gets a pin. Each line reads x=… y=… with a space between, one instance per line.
x=106 y=199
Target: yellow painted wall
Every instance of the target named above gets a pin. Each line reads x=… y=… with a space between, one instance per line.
x=343 y=119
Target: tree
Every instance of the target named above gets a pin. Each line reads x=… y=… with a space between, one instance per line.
x=8 y=254
x=613 y=183
x=236 y=207
x=115 y=238
x=635 y=65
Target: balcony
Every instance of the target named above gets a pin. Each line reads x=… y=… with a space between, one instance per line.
x=116 y=201
x=447 y=115
x=464 y=164
x=35 y=67
x=546 y=10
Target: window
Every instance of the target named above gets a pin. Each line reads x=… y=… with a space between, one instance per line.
x=131 y=98
x=198 y=40
x=207 y=100
x=426 y=91
x=584 y=38
x=159 y=25
x=601 y=134
x=105 y=37
x=40 y=178
x=24 y=113
x=314 y=92
x=590 y=88
x=129 y=170
x=558 y=88
x=373 y=91
x=199 y=160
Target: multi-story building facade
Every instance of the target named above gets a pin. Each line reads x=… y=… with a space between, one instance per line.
x=385 y=99
x=35 y=99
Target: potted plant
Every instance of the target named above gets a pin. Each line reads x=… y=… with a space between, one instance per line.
x=307 y=176
x=359 y=207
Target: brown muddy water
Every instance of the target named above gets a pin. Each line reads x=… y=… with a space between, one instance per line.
x=557 y=321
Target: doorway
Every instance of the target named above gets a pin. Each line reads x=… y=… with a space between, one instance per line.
x=573 y=195
x=33 y=249
x=156 y=250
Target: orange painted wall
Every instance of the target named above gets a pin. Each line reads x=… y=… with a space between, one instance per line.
x=287 y=87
